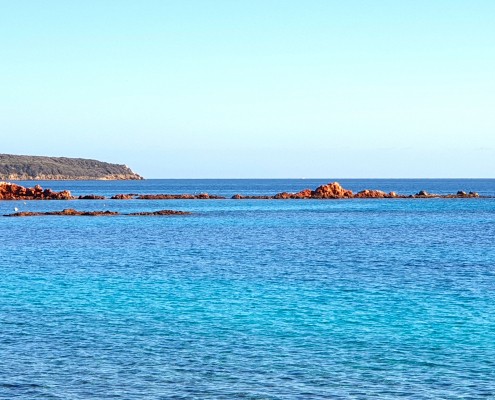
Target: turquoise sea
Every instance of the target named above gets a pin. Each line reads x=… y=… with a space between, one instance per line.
x=250 y=299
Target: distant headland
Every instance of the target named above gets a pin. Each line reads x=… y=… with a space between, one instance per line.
x=20 y=167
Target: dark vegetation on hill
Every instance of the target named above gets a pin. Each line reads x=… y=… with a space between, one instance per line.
x=16 y=167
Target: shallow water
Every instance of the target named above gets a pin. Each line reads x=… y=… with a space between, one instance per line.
x=250 y=299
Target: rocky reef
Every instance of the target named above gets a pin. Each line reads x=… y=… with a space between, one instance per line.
x=335 y=191
x=70 y=212
x=186 y=196
x=91 y=197
x=330 y=191
x=161 y=212
x=201 y=196
x=11 y=191
x=67 y=212
x=129 y=196
x=459 y=195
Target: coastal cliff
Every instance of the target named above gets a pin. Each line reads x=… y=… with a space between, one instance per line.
x=16 y=167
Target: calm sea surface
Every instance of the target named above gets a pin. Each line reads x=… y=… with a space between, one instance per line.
x=251 y=299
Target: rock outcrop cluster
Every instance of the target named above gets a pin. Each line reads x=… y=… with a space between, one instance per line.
x=336 y=191
x=330 y=191
x=11 y=191
x=423 y=194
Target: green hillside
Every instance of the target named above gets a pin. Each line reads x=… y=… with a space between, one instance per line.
x=19 y=167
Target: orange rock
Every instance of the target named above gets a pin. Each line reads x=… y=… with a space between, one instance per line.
x=303 y=194
x=123 y=197
x=371 y=194
x=331 y=191
x=11 y=191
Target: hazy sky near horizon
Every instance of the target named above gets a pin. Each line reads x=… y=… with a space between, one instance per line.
x=255 y=88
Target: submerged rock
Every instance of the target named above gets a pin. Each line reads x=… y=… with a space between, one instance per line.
x=70 y=212
x=66 y=212
x=129 y=196
x=202 y=196
x=161 y=212
x=241 y=197
x=91 y=197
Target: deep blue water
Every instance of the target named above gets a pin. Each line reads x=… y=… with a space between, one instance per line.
x=307 y=299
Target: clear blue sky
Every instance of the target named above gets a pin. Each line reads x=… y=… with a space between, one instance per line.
x=254 y=88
